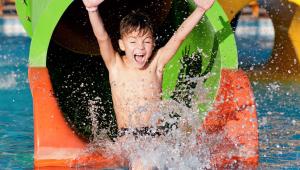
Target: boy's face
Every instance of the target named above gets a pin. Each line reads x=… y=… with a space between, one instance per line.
x=138 y=48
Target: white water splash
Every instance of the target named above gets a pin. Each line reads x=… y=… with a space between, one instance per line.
x=178 y=149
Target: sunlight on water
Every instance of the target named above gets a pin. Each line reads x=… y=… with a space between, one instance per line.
x=279 y=124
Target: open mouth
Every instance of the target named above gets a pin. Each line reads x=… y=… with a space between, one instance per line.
x=139 y=58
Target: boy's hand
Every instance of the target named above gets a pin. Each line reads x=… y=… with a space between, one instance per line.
x=92 y=5
x=204 y=4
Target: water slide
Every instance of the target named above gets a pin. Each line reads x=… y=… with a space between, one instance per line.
x=285 y=15
x=66 y=74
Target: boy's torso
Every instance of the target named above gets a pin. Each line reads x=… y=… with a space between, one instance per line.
x=136 y=93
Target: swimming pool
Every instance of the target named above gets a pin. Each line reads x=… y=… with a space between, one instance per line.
x=16 y=121
x=278 y=106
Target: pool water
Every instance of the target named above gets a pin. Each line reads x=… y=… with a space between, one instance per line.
x=279 y=124
x=16 y=119
x=278 y=107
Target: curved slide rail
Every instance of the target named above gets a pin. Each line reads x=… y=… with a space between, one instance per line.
x=63 y=47
x=285 y=59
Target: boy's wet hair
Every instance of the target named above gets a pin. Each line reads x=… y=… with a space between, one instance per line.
x=136 y=21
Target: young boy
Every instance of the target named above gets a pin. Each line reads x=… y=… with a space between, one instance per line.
x=136 y=77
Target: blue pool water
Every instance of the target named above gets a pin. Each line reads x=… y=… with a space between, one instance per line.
x=16 y=120
x=278 y=106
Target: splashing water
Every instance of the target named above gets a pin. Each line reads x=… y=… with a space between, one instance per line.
x=179 y=148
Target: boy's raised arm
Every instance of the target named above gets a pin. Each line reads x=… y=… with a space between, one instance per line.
x=168 y=51
x=106 y=49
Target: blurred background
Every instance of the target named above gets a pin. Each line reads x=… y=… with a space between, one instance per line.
x=7 y=7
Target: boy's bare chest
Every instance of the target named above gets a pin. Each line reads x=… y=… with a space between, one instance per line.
x=143 y=84
x=141 y=80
